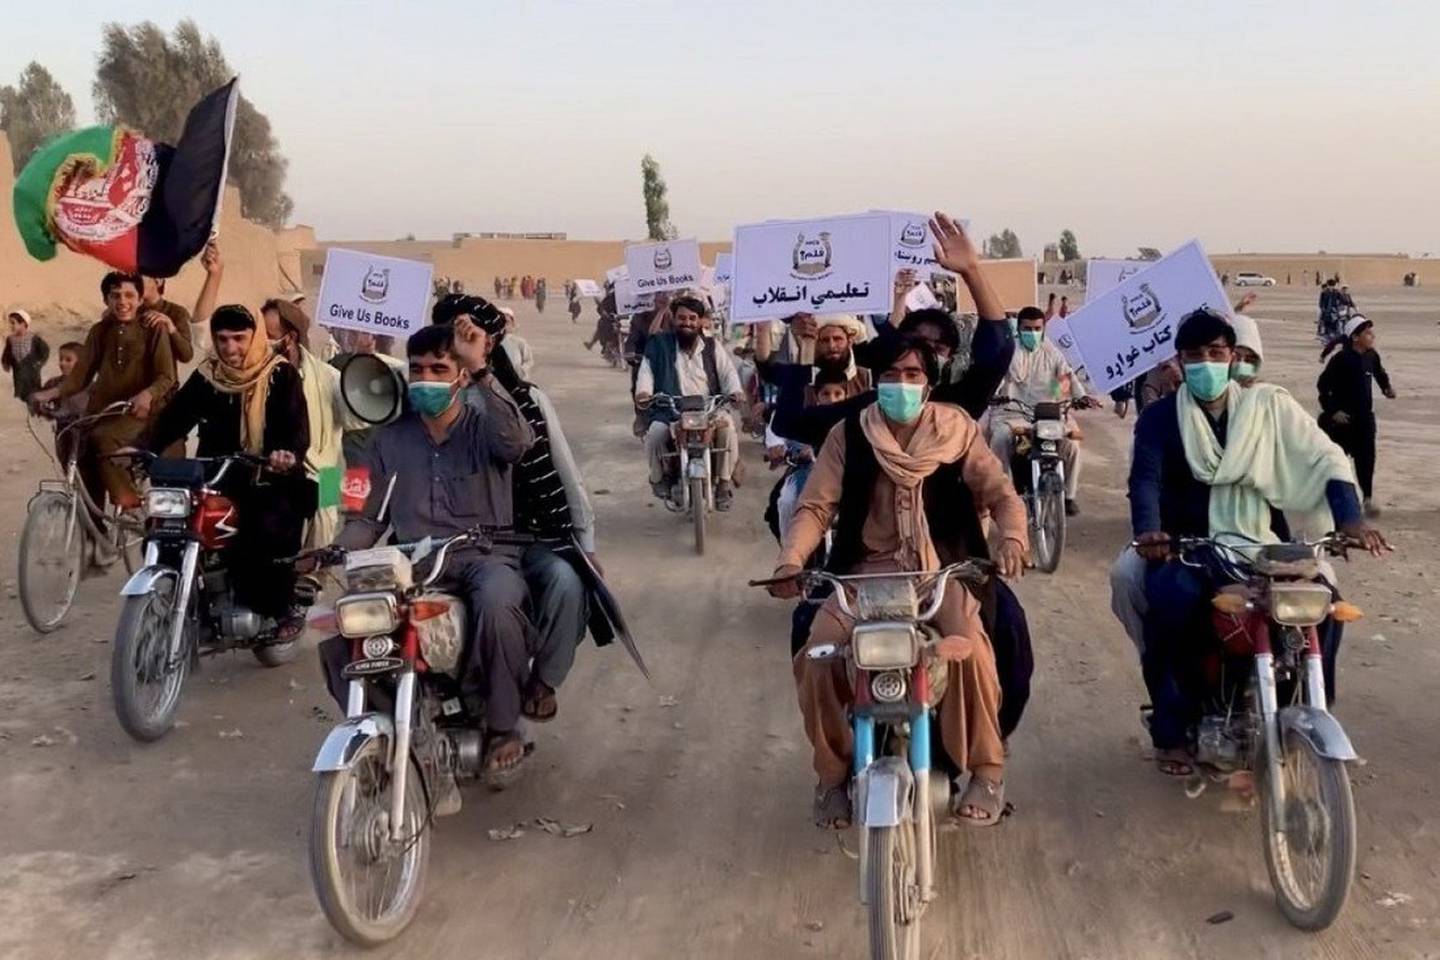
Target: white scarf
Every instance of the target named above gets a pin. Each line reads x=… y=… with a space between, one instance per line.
x=1275 y=455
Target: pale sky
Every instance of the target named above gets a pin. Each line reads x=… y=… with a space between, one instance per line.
x=1257 y=126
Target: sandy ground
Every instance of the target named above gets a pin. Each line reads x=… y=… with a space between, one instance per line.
x=195 y=847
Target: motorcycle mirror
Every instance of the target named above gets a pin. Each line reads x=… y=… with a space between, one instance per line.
x=371 y=389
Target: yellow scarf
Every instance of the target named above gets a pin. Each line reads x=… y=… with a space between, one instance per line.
x=941 y=435
x=251 y=381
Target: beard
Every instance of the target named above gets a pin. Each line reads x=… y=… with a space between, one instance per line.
x=838 y=364
x=687 y=338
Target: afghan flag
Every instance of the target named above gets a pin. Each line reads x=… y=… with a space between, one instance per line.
x=139 y=205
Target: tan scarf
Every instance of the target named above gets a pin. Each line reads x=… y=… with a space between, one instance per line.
x=941 y=435
x=251 y=381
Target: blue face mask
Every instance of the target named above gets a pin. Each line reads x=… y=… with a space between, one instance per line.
x=430 y=398
x=901 y=402
x=1014 y=324
x=1244 y=371
x=1030 y=339
x=1206 y=381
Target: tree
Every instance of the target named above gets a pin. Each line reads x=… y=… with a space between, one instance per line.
x=657 y=207
x=1003 y=245
x=149 y=81
x=34 y=111
x=1069 y=246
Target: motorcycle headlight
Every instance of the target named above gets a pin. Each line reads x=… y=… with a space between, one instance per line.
x=693 y=421
x=1299 y=604
x=366 y=615
x=885 y=646
x=165 y=503
x=1050 y=430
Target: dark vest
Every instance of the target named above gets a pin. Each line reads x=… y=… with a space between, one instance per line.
x=662 y=350
x=949 y=507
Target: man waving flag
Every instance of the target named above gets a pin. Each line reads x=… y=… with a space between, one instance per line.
x=139 y=205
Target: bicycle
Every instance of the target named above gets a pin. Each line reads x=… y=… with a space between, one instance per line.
x=60 y=538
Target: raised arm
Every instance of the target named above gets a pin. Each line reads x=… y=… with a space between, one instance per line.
x=210 y=289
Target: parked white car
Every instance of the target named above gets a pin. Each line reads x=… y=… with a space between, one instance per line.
x=1245 y=279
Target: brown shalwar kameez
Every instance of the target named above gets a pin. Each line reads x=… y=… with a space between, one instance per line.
x=118 y=361
x=968 y=712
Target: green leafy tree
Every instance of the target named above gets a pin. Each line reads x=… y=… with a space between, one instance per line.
x=1069 y=246
x=149 y=81
x=657 y=207
x=33 y=111
x=1003 y=245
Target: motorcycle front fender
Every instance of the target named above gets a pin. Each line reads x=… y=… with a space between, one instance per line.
x=143 y=581
x=344 y=741
x=696 y=467
x=1319 y=728
x=884 y=793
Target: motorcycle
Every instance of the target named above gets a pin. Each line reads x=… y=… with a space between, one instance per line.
x=1265 y=712
x=899 y=679
x=1039 y=475
x=180 y=605
x=391 y=766
x=696 y=470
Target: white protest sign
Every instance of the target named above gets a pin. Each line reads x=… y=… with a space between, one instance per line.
x=363 y=291
x=1101 y=275
x=921 y=297
x=1130 y=329
x=1057 y=331
x=588 y=288
x=616 y=274
x=724 y=269
x=830 y=265
x=912 y=245
x=629 y=301
x=667 y=265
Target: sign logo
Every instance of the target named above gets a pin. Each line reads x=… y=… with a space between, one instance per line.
x=811 y=257
x=375 y=286
x=663 y=260
x=1142 y=309
x=99 y=209
x=913 y=235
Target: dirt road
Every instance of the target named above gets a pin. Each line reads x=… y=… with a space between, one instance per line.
x=702 y=845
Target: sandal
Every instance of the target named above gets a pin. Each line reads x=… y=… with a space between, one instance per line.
x=539 y=704
x=832 y=807
x=985 y=801
x=1175 y=762
x=500 y=773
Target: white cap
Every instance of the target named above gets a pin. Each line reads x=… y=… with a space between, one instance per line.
x=1247 y=333
x=847 y=321
x=1353 y=325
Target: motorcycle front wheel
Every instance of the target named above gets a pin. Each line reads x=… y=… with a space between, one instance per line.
x=697 y=511
x=1047 y=523
x=144 y=683
x=1312 y=861
x=893 y=892
x=368 y=885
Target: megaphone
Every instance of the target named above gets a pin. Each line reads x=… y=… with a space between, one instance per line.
x=372 y=390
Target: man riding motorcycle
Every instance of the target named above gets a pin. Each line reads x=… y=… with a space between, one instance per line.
x=1215 y=459
x=684 y=363
x=444 y=468
x=1039 y=373
x=889 y=478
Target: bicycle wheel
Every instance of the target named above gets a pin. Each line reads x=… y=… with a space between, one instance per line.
x=51 y=555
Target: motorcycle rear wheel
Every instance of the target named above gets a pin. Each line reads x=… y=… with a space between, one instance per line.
x=893 y=892
x=697 y=511
x=1048 y=523
x=1312 y=863
x=144 y=684
x=350 y=822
